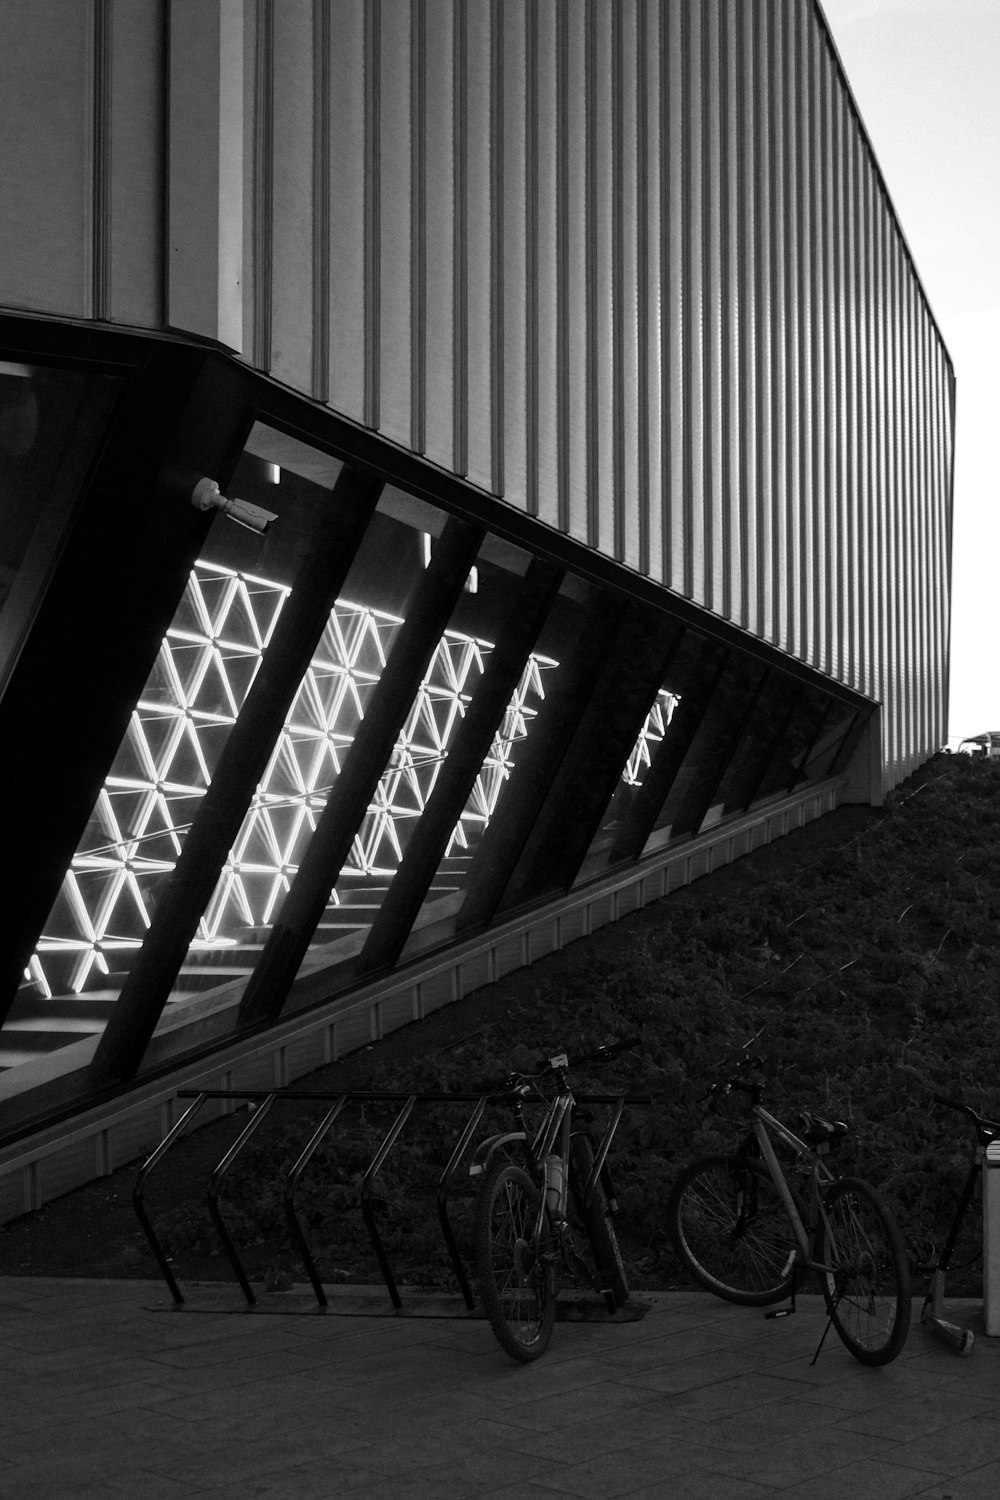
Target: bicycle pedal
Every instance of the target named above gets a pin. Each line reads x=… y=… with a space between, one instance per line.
x=780 y=1312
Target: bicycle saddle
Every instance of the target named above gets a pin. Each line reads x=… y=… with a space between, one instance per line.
x=818 y=1132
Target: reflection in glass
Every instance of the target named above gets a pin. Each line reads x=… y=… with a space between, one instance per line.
x=51 y=422
x=740 y=786
x=827 y=753
x=649 y=742
x=787 y=768
x=692 y=801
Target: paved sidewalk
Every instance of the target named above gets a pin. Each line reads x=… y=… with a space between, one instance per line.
x=109 y=1391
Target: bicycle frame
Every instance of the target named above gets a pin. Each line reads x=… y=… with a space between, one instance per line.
x=555 y=1126
x=819 y=1173
x=553 y=1135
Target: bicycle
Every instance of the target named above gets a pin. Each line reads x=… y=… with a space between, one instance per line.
x=534 y=1179
x=742 y=1233
x=969 y=1207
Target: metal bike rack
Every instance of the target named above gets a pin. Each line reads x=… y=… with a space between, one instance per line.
x=338 y=1103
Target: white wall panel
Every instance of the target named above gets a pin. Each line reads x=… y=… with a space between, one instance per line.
x=293 y=196
x=434 y=190
x=732 y=496
x=693 y=274
x=653 y=411
x=135 y=145
x=575 y=435
x=627 y=188
x=350 y=80
x=747 y=425
x=767 y=498
x=599 y=368
x=47 y=156
x=542 y=390
x=712 y=94
x=390 y=251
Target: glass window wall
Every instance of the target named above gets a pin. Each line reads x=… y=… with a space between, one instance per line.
x=51 y=425
x=207 y=663
x=448 y=734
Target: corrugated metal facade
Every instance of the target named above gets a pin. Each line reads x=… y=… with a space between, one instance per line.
x=628 y=266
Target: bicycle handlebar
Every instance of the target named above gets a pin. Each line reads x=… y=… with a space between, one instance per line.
x=602 y=1054
x=521 y=1085
x=988 y=1130
x=736 y=1080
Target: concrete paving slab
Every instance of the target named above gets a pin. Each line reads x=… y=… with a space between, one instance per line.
x=109 y=1390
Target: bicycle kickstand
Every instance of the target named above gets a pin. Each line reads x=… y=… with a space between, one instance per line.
x=792 y=1265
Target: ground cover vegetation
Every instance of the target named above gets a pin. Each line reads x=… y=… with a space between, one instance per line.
x=864 y=949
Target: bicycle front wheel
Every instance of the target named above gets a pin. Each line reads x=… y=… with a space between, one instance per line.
x=600 y=1231
x=516 y=1281
x=867 y=1283
x=729 y=1228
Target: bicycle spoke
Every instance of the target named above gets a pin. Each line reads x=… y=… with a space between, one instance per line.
x=730 y=1229
x=515 y=1278
x=866 y=1286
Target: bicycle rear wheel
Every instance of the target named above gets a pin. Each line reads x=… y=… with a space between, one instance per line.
x=596 y=1217
x=729 y=1228
x=867 y=1287
x=516 y=1283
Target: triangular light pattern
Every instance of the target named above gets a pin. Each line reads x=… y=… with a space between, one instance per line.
x=204 y=670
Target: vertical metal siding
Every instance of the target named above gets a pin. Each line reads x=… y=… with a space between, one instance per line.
x=599 y=369
x=629 y=267
x=477 y=287
x=767 y=497
x=777 y=559
x=806 y=312
x=732 y=603
x=436 y=379
x=543 y=263
x=675 y=317
x=710 y=458
x=747 y=242
x=391 y=247
x=791 y=580
x=291 y=109
x=575 y=437
x=345 y=231
x=650 y=137
x=628 y=192
x=129 y=120
x=693 y=270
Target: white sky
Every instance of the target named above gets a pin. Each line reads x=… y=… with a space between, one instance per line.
x=926 y=78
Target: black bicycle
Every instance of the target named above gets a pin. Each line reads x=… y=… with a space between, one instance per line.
x=743 y=1233
x=545 y=1188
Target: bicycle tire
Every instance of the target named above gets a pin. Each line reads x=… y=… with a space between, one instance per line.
x=596 y=1217
x=867 y=1291
x=730 y=1230
x=516 y=1284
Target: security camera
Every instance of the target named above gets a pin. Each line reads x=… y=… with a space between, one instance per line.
x=206 y=496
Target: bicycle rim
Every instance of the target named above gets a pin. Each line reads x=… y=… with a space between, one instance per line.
x=517 y=1285
x=867 y=1287
x=730 y=1230
x=596 y=1217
